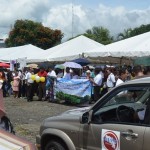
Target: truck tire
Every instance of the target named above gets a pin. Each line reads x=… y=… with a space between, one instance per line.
x=54 y=145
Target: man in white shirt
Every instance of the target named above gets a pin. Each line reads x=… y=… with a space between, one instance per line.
x=97 y=83
x=110 y=79
x=51 y=73
x=29 y=83
x=123 y=73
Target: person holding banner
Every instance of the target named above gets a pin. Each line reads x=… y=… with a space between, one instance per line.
x=75 y=74
x=67 y=75
x=97 y=83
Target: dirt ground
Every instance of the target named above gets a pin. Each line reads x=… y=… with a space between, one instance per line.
x=28 y=116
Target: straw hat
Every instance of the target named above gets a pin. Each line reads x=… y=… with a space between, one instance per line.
x=88 y=71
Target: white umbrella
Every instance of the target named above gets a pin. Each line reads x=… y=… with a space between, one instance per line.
x=60 y=66
x=72 y=65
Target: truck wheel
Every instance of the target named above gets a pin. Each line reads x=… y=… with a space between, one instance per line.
x=54 y=145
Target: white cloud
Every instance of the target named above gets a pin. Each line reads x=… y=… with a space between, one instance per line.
x=59 y=16
x=20 y=9
x=115 y=19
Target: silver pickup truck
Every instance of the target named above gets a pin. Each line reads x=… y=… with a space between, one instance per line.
x=119 y=120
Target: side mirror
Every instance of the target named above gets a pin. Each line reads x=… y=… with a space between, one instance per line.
x=86 y=117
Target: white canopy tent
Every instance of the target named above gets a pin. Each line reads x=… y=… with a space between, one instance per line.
x=137 y=46
x=69 y=50
x=27 y=51
x=66 y=51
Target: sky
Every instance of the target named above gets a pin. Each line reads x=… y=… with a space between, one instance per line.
x=74 y=17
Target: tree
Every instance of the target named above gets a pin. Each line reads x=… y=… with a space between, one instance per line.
x=29 y=32
x=99 y=34
x=133 y=32
x=140 y=30
x=126 y=34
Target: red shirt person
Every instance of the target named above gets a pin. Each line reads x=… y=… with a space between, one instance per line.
x=42 y=73
x=42 y=88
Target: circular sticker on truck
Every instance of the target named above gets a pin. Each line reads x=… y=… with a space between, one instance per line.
x=110 y=140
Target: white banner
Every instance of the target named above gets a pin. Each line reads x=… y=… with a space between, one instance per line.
x=22 y=62
x=78 y=87
x=74 y=90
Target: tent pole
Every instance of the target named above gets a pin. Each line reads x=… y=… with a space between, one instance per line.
x=121 y=61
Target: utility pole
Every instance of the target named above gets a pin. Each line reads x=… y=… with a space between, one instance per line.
x=72 y=17
x=11 y=27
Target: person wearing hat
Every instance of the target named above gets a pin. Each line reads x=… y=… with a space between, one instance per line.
x=88 y=74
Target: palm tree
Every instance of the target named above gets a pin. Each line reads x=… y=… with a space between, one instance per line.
x=126 y=34
x=99 y=34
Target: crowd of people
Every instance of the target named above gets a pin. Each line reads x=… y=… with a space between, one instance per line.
x=41 y=82
x=24 y=84
x=110 y=77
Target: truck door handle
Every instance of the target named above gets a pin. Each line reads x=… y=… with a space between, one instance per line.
x=129 y=134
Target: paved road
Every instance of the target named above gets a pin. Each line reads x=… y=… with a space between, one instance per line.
x=28 y=116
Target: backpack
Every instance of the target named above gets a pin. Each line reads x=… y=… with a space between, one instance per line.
x=7 y=125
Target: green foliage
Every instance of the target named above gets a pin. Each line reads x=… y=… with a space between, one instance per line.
x=71 y=98
x=140 y=30
x=68 y=98
x=102 y=35
x=29 y=32
x=99 y=34
x=133 y=32
x=126 y=34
